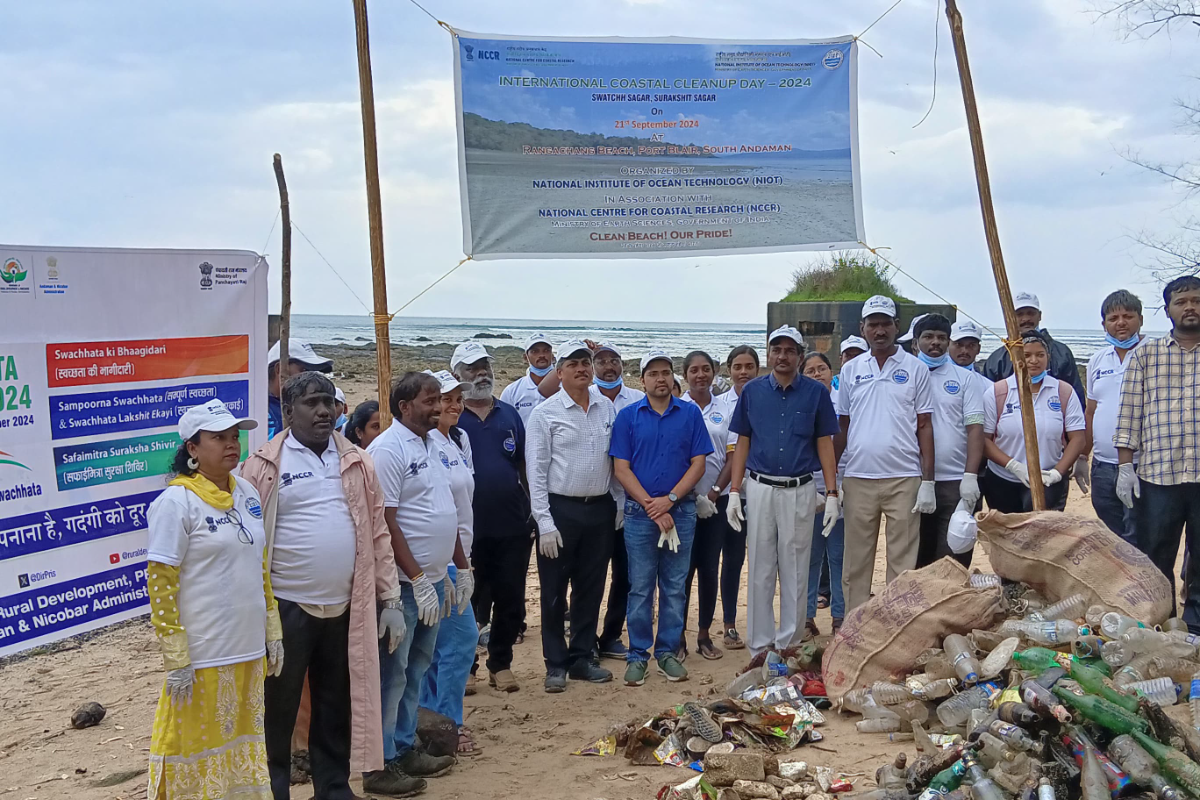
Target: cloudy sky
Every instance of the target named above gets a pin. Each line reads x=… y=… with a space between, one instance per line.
x=144 y=124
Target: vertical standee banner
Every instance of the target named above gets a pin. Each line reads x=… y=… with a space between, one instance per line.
x=595 y=148
x=101 y=350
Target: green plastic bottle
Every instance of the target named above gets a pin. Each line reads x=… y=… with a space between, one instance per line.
x=945 y=781
x=1175 y=764
x=1091 y=679
x=1100 y=711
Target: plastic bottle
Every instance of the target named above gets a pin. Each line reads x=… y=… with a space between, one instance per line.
x=1078 y=742
x=775 y=666
x=1093 y=616
x=911 y=711
x=1045 y=791
x=1112 y=624
x=744 y=682
x=945 y=781
x=1090 y=678
x=993 y=751
x=1013 y=736
x=1136 y=670
x=1160 y=691
x=1179 y=670
x=856 y=700
x=921 y=738
x=1092 y=779
x=1042 y=701
x=891 y=777
x=1140 y=767
x=878 y=725
x=998 y=659
x=1145 y=640
x=1053 y=632
x=984 y=580
x=961 y=658
x=1175 y=624
x=937 y=665
x=955 y=711
x=890 y=694
x=1071 y=607
x=1087 y=646
x=982 y=787
x=1100 y=711
x=1116 y=653
x=1175 y=765
x=1017 y=714
x=1194 y=699
x=934 y=690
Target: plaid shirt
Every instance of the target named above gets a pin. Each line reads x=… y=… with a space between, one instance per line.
x=1160 y=411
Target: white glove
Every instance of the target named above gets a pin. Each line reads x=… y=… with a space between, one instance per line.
x=448 y=591
x=670 y=538
x=926 y=499
x=734 y=512
x=429 y=610
x=274 y=658
x=549 y=543
x=179 y=684
x=968 y=489
x=1128 y=486
x=705 y=508
x=1018 y=470
x=1082 y=477
x=391 y=622
x=833 y=508
x=1050 y=477
x=464 y=587
x=620 y=517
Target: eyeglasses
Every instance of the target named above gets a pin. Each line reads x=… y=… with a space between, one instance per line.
x=244 y=536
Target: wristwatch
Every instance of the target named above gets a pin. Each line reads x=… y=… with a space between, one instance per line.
x=831 y=492
x=674 y=498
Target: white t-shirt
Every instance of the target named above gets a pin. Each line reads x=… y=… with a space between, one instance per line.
x=222 y=603
x=462 y=482
x=416 y=483
x=883 y=405
x=1048 y=421
x=312 y=560
x=957 y=403
x=625 y=397
x=1105 y=371
x=716 y=415
x=523 y=395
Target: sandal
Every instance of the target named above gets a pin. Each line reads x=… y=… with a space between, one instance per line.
x=732 y=640
x=822 y=601
x=466 y=743
x=705 y=648
x=811 y=631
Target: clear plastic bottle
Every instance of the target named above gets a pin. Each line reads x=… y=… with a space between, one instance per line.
x=937 y=666
x=1160 y=691
x=1136 y=670
x=878 y=725
x=1068 y=608
x=1054 y=632
x=1145 y=640
x=1112 y=624
x=955 y=711
x=961 y=657
x=993 y=751
x=1179 y=670
x=936 y=690
x=1093 y=615
x=890 y=694
x=1175 y=624
x=1116 y=653
x=984 y=580
x=1045 y=791
x=856 y=700
x=998 y=659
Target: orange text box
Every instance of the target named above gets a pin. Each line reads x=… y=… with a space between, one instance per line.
x=89 y=363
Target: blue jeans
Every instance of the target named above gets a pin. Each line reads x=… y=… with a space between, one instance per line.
x=649 y=564
x=1111 y=511
x=831 y=549
x=400 y=676
x=446 y=679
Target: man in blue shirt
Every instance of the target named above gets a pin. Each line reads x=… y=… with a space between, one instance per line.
x=785 y=425
x=658 y=448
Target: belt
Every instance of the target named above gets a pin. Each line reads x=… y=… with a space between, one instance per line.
x=587 y=501
x=781 y=483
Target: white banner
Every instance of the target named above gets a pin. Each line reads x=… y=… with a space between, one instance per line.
x=101 y=351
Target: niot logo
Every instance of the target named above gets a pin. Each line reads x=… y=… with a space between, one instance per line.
x=833 y=59
x=951 y=387
x=900 y=376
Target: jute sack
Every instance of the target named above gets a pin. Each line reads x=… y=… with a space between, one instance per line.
x=1062 y=554
x=881 y=638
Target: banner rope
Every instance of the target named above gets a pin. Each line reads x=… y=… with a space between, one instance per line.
x=331 y=267
x=937 y=29
x=389 y=317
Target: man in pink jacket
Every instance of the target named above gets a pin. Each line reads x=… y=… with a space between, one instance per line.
x=322 y=507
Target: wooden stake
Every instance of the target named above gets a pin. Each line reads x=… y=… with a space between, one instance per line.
x=383 y=346
x=1032 y=458
x=285 y=303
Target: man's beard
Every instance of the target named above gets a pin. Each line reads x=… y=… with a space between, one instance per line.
x=480 y=389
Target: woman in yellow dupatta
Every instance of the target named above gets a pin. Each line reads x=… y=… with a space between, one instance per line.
x=215 y=618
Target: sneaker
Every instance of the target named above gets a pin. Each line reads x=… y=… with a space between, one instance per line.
x=615 y=649
x=635 y=673
x=733 y=641
x=703 y=725
x=470 y=687
x=485 y=637
x=588 y=671
x=423 y=765
x=503 y=681
x=556 y=680
x=670 y=668
x=393 y=783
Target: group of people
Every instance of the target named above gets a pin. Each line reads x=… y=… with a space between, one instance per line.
x=341 y=574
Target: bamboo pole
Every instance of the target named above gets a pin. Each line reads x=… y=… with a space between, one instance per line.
x=1032 y=458
x=383 y=346
x=285 y=303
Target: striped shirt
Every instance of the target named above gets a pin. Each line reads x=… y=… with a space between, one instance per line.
x=1160 y=401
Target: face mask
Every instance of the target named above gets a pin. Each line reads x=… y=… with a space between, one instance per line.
x=932 y=362
x=1127 y=344
x=541 y=373
x=341 y=422
x=967 y=367
x=609 y=384
x=1036 y=379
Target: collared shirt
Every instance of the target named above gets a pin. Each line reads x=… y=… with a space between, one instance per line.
x=784 y=423
x=500 y=504
x=312 y=559
x=416 y=483
x=1160 y=400
x=567 y=451
x=659 y=447
x=957 y=403
x=523 y=395
x=717 y=415
x=462 y=482
x=1062 y=365
x=1105 y=372
x=625 y=397
x=883 y=404
x=1050 y=420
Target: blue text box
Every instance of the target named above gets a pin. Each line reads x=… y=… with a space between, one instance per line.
x=93 y=413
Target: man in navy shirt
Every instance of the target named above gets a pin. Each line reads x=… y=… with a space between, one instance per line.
x=785 y=425
x=500 y=554
x=658 y=448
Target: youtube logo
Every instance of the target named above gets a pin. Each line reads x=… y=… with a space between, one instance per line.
x=114 y=558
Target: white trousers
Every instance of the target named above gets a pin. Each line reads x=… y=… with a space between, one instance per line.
x=779 y=529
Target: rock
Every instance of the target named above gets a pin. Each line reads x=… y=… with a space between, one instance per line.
x=422 y=339
x=728 y=794
x=492 y=336
x=820 y=796
x=771 y=765
x=796 y=792
x=765 y=791
x=87 y=715
x=724 y=769
x=794 y=770
x=778 y=782
x=361 y=339
x=439 y=733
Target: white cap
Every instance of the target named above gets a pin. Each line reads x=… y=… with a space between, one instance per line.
x=447 y=381
x=338 y=395
x=854 y=341
x=569 y=348
x=301 y=352
x=879 y=305
x=468 y=353
x=1026 y=300
x=965 y=329
x=786 y=331
x=610 y=347
x=657 y=354
x=536 y=338
x=912 y=327
x=214 y=417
